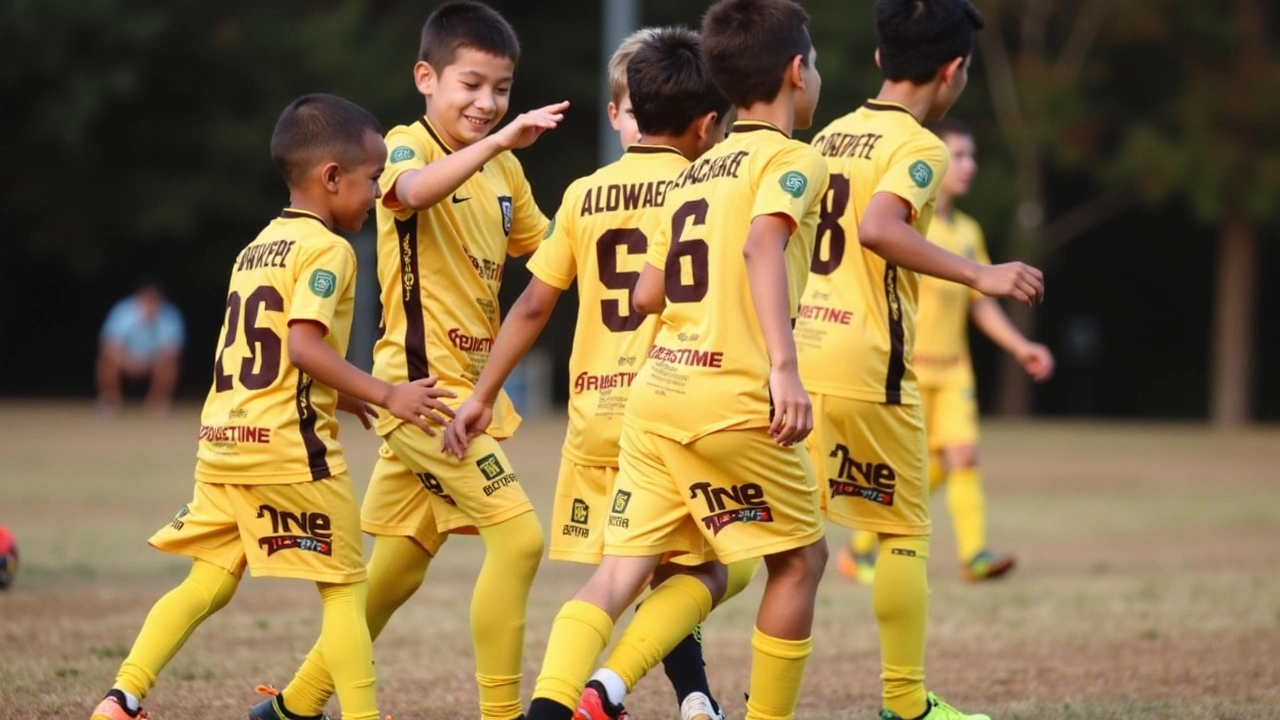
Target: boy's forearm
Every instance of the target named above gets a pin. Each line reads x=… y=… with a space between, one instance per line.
x=991 y=319
x=426 y=186
x=325 y=365
x=518 y=332
x=767 y=280
x=899 y=243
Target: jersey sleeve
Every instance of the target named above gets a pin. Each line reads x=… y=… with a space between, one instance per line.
x=660 y=242
x=405 y=152
x=325 y=275
x=555 y=262
x=528 y=224
x=791 y=184
x=916 y=172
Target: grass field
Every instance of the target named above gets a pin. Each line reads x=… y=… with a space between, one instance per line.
x=1149 y=585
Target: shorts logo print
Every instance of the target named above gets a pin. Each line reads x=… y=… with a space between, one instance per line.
x=748 y=497
x=316 y=529
x=620 y=501
x=580 y=512
x=490 y=466
x=433 y=486
x=871 y=481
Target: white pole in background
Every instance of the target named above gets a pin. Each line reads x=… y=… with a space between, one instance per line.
x=620 y=19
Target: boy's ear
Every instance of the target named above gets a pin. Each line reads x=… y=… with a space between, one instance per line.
x=707 y=125
x=795 y=72
x=878 y=59
x=612 y=112
x=329 y=173
x=424 y=77
x=948 y=72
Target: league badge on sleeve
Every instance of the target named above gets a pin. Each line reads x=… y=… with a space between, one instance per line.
x=794 y=183
x=504 y=204
x=921 y=173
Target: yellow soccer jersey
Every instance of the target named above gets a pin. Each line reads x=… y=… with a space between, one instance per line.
x=265 y=421
x=708 y=369
x=858 y=313
x=941 y=353
x=440 y=270
x=600 y=236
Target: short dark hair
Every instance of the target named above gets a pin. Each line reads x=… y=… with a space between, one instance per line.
x=317 y=128
x=949 y=126
x=466 y=24
x=748 y=43
x=669 y=83
x=916 y=38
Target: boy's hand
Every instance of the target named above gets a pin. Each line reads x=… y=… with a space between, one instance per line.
x=471 y=420
x=1037 y=360
x=1014 y=280
x=359 y=408
x=529 y=126
x=416 y=402
x=792 y=411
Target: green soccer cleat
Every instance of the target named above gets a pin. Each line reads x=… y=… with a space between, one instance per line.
x=987 y=565
x=938 y=710
x=273 y=707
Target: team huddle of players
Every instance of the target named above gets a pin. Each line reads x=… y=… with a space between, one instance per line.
x=742 y=365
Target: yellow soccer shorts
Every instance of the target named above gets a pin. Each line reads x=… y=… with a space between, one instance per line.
x=397 y=503
x=874 y=464
x=477 y=491
x=580 y=510
x=950 y=416
x=306 y=530
x=730 y=495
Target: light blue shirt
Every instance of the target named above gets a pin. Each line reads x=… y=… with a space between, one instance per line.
x=143 y=340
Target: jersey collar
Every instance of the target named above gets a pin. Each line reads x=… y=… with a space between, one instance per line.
x=638 y=149
x=435 y=135
x=295 y=213
x=886 y=106
x=742 y=126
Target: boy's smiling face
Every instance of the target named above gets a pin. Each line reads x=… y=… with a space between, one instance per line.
x=468 y=99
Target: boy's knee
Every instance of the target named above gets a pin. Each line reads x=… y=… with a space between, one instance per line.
x=519 y=538
x=617 y=582
x=805 y=564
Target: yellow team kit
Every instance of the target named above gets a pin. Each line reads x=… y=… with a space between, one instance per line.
x=273 y=489
x=699 y=473
x=600 y=237
x=440 y=270
x=854 y=333
x=941 y=359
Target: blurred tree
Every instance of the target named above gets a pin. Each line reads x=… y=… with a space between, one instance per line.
x=1206 y=130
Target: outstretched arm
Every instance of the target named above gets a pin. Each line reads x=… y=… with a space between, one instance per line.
x=991 y=319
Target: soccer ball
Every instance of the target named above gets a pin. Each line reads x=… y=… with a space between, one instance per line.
x=8 y=558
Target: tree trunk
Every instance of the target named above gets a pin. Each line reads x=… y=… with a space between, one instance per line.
x=1233 y=323
x=1013 y=390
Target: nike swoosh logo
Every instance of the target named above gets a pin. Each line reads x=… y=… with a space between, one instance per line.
x=457 y=199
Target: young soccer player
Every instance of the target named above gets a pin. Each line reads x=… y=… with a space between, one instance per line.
x=272 y=488
x=705 y=459
x=621 y=116
x=455 y=203
x=599 y=237
x=858 y=318
x=944 y=374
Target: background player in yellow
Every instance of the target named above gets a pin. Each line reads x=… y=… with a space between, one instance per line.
x=858 y=319
x=944 y=373
x=455 y=204
x=703 y=463
x=272 y=490
x=621 y=116
x=599 y=237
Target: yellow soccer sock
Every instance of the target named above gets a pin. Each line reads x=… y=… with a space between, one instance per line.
x=513 y=549
x=968 y=508
x=862 y=542
x=579 y=634
x=173 y=618
x=900 y=597
x=666 y=617
x=777 y=668
x=348 y=649
x=741 y=574
x=396 y=569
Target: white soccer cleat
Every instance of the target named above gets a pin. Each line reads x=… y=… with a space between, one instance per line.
x=697 y=706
